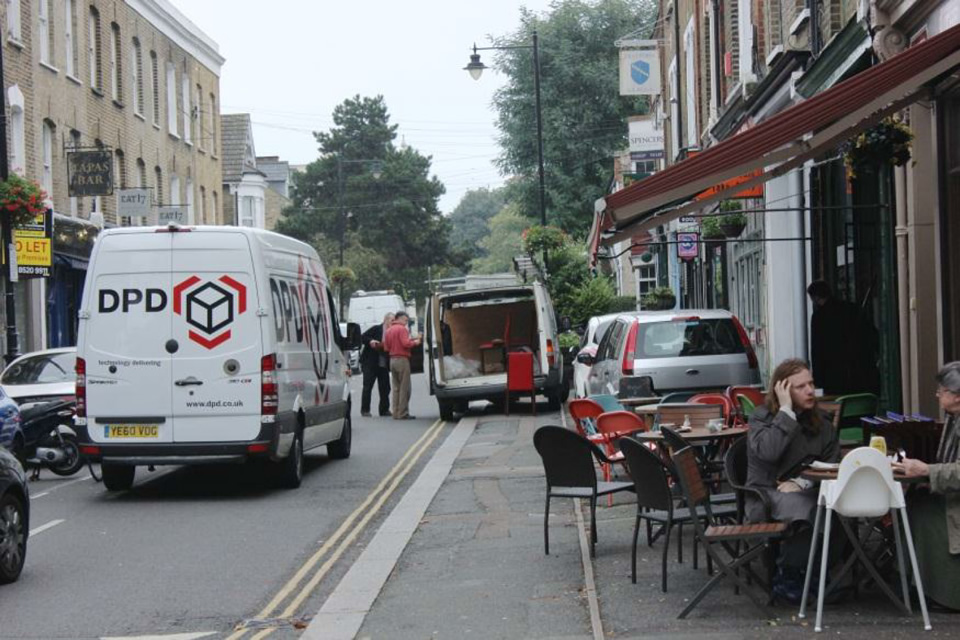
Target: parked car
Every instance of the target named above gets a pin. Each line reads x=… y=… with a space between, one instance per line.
x=41 y=376
x=14 y=517
x=11 y=431
x=596 y=327
x=681 y=350
x=353 y=355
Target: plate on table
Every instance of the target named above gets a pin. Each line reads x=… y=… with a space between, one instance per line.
x=818 y=465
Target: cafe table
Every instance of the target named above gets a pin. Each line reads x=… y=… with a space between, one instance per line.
x=695 y=434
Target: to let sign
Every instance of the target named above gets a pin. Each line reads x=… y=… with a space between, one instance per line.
x=89 y=173
x=688 y=246
x=34 y=246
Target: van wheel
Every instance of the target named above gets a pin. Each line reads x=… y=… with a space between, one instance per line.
x=554 y=400
x=291 y=467
x=13 y=538
x=117 y=477
x=446 y=409
x=339 y=449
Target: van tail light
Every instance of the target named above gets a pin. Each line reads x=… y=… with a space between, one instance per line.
x=745 y=340
x=268 y=385
x=81 y=369
x=630 y=352
x=551 y=355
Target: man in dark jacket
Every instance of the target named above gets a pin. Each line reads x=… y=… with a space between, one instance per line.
x=375 y=364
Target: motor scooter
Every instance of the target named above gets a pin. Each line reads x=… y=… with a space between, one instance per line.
x=48 y=439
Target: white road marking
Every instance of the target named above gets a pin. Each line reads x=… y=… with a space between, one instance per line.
x=171 y=636
x=44 y=527
x=58 y=486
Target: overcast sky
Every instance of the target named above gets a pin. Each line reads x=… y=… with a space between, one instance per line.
x=290 y=62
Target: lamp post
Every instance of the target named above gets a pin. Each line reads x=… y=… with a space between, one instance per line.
x=375 y=171
x=475 y=67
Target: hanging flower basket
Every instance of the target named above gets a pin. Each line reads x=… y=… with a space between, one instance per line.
x=21 y=200
x=733 y=225
x=888 y=143
x=538 y=239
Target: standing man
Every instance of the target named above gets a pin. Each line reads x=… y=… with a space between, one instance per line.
x=398 y=344
x=375 y=364
x=843 y=344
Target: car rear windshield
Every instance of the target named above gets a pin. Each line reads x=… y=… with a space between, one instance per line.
x=688 y=337
x=41 y=369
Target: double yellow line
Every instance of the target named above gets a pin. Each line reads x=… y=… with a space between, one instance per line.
x=341 y=539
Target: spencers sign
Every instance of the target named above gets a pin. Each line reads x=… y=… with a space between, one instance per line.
x=90 y=173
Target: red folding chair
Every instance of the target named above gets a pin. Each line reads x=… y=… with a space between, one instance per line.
x=718 y=399
x=612 y=426
x=754 y=394
x=520 y=378
x=585 y=412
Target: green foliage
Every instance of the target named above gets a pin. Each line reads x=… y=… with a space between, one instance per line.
x=21 y=200
x=341 y=275
x=584 y=115
x=503 y=242
x=710 y=227
x=568 y=340
x=888 y=143
x=396 y=229
x=468 y=222
x=659 y=298
x=538 y=239
x=593 y=297
x=623 y=304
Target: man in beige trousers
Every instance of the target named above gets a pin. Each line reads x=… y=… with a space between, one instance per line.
x=397 y=343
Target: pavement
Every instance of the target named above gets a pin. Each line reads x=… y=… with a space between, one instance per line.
x=462 y=557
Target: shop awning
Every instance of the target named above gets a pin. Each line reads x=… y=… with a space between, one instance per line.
x=782 y=143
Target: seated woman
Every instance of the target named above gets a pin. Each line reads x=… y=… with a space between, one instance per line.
x=935 y=514
x=786 y=432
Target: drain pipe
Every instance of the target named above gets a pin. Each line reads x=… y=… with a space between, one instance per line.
x=902 y=233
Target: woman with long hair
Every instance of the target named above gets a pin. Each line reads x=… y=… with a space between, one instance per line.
x=788 y=431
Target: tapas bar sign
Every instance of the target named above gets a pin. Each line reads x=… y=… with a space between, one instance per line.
x=90 y=173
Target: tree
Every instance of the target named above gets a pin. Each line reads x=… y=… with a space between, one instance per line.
x=391 y=225
x=584 y=116
x=469 y=220
x=503 y=242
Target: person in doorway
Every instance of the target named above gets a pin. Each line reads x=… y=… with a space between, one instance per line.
x=397 y=343
x=843 y=344
x=786 y=432
x=375 y=364
x=935 y=512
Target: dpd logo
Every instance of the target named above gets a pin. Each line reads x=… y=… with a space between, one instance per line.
x=210 y=307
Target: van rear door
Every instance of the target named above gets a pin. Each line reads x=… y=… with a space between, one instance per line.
x=125 y=334
x=216 y=369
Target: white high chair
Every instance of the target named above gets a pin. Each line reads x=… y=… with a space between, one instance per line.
x=864 y=488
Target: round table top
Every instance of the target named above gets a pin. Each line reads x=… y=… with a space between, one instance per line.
x=695 y=434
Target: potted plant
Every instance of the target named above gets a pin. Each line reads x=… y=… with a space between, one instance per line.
x=888 y=143
x=659 y=299
x=732 y=221
x=21 y=200
x=710 y=228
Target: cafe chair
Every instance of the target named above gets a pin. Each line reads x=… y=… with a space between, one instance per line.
x=655 y=502
x=612 y=426
x=850 y=409
x=677 y=396
x=607 y=401
x=731 y=547
x=716 y=399
x=568 y=465
x=636 y=387
x=585 y=412
x=864 y=488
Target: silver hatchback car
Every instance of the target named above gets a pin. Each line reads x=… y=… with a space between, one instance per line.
x=681 y=350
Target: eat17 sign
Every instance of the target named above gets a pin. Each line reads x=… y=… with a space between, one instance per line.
x=688 y=245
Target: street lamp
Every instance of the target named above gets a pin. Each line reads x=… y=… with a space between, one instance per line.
x=475 y=67
x=375 y=168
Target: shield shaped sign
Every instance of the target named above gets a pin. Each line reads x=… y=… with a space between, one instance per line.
x=640 y=71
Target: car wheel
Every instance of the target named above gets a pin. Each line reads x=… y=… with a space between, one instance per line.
x=13 y=538
x=340 y=448
x=291 y=467
x=72 y=461
x=446 y=409
x=117 y=477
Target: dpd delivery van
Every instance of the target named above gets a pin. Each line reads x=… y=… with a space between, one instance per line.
x=206 y=345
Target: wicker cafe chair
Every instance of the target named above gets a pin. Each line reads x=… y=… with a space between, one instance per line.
x=655 y=503
x=722 y=541
x=568 y=465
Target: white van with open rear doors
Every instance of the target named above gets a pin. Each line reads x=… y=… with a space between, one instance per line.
x=469 y=334
x=207 y=345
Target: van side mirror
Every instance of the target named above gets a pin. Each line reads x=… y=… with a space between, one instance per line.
x=565 y=324
x=353 y=337
x=586 y=358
